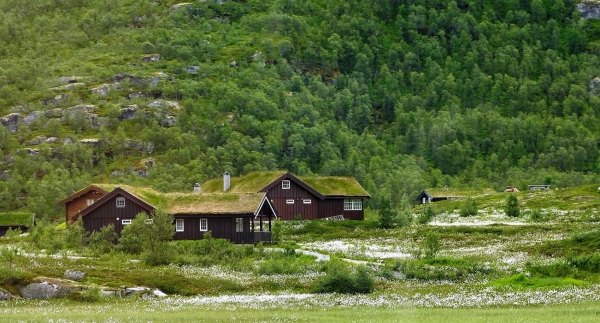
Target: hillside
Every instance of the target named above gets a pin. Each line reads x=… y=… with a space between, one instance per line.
x=401 y=95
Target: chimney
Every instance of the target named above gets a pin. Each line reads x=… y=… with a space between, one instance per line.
x=226 y=181
x=197 y=188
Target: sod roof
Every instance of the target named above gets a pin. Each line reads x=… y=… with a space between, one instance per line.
x=256 y=181
x=16 y=218
x=203 y=203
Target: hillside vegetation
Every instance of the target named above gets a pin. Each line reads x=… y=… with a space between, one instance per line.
x=402 y=95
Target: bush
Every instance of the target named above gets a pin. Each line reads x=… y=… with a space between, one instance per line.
x=101 y=242
x=512 y=206
x=468 y=208
x=432 y=245
x=341 y=279
x=427 y=213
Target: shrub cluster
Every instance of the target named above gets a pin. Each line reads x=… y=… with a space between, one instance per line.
x=341 y=279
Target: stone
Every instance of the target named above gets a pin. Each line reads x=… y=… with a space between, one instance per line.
x=70 y=86
x=234 y=63
x=31 y=152
x=5 y=296
x=129 y=112
x=74 y=274
x=103 y=89
x=36 y=141
x=164 y=103
x=594 y=84
x=68 y=141
x=51 y=140
x=54 y=113
x=32 y=118
x=167 y=121
x=180 y=5
x=151 y=58
x=257 y=55
x=192 y=69
x=136 y=95
x=159 y=77
x=56 y=100
x=132 y=79
x=48 y=288
x=69 y=79
x=11 y=122
x=590 y=9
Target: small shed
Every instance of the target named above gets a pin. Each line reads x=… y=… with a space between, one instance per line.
x=429 y=196
x=539 y=187
x=16 y=220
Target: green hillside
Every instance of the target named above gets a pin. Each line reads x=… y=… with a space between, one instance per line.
x=401 y=95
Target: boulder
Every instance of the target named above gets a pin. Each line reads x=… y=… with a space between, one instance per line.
x=151 y=58
x=103 y=89
x=69 y=79
x=167 y=121
x=132 y=79
x=36 y=141
x=159 y=77
x=129 y=112
x=54 y=113
x=136 y=95
x=51 y=140
x=48 y=288
x=68 y=141
x=594 y=84
x=32 y=118
x=5 y=296
x=11 y=122
x=590 y=9
x=164 y=103
x=74 y=274
x=192 y=69
x=31 y=152
x=56 y=100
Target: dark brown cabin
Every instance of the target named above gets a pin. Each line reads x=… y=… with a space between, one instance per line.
x=80 y=200
x=240 y=218
x=314 y=198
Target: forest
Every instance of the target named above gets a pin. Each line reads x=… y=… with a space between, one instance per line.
x=401 y=95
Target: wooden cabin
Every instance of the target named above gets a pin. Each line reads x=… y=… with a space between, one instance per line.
x=429 y=196
x=300 y=197
x=80 y=200
x=240 y=218
x=16 y=220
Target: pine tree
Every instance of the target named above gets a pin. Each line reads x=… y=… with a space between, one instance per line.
x=512 y=206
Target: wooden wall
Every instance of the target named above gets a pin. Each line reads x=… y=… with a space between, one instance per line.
x=109 y=213
x=80 y=203
x=221 y=226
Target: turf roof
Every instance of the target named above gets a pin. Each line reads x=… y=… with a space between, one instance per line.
x=335 y=186
x=16 y=218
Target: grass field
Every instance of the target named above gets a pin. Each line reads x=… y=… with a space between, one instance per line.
x=165 y=311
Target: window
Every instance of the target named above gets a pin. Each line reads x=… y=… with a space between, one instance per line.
x=239 y=225
x=203 y=224
x=352 y=204
x=285 y=184
x=290 y=201
x=179 y=225
x=307 y=201
x=149 y=221
x=120 y=201
x=126 y=221
x=89 y=202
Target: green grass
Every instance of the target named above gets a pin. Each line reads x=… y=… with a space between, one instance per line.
x=16 y=218
x=151 y=311
x=522 y=280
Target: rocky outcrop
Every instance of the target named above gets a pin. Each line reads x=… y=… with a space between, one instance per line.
x=5 y=296
x=51 y=140
x=11 y=122
x=56 y=100
x=32 y=118
x=590 y=9
x=46 y=288
x=160 y=76
x=132 y=79
x=74 y=274
x=164 y=103
x=36 y=141
x=151 y=58
x=192 y=69
x=70 y=86
x=167 y=121
x=103 y=89
x=129 y=112
x=69 y=79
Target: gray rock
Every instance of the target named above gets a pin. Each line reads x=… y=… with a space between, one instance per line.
x=54 y=113
x=180 y=5
x=136 y=95
x=192 y=69
x=45 y=290
x=11 y=122
x=68 y=141
x=132 y=79
x=164 y=103
x=103 y=89
x=167 y=121
x=32 y=118
x=74 y=274
x=234 y=63
x=69 y=79
x=594 y=84
x=129 y=112
x=70 y=86
x=36 y=141
x=151 y=58
x=160 y=76
x=51 y=140
x=31 y=152
x=5 y=174
x=56 y=100
x=5 y=296
x=257 y=55
x=590 y=9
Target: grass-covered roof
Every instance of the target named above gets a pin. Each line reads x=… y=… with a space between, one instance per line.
x=255 y=181
x=202 y=203
x=16 y=218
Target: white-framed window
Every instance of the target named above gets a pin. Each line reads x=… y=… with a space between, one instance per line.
x=289 y=201
x=120 y=201
x=126 y=221
x=149 y=221
x=179 y=225
x=203 y=224
x=285 y=184
x=352 y=204
x=89 y=202
x=307 y=201
x=239 y=225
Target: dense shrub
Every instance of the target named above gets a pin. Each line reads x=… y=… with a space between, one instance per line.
x=340 y=278
x=512 y=206
x=441 y=269
x=427 y=213
x=468 y=208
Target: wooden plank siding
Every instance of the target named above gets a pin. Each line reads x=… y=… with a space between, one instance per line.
x=109 y=213
x=279 y=196
x=80 y=203
x=220 y=226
